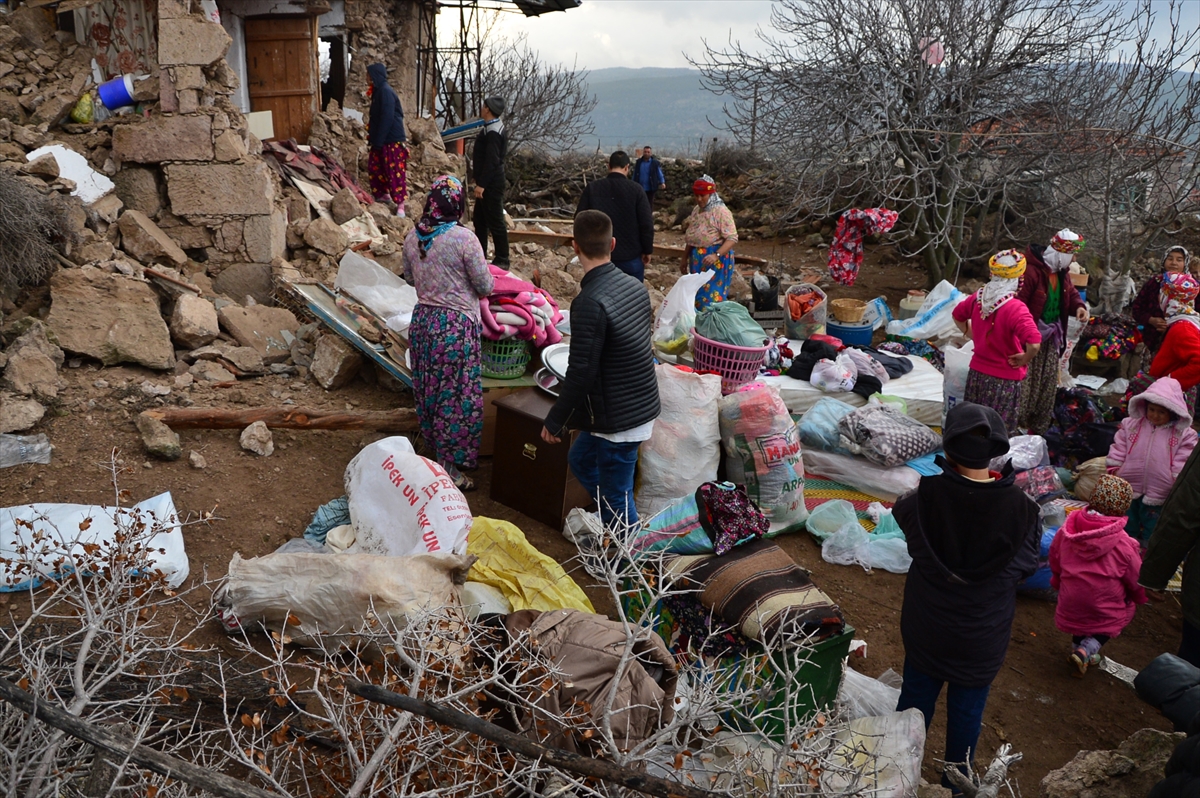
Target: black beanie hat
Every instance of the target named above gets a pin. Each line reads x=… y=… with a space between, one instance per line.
x=973 y=435
x=496 y=105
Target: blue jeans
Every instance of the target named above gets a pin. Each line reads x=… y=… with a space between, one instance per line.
x=634 y=268
x=606 y=468
x=964 y=711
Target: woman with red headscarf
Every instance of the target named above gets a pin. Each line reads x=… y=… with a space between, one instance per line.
x=1179 y=355
x=709 y=235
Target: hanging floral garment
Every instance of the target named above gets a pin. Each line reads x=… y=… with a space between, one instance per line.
x=846 y=251
x=122 y=32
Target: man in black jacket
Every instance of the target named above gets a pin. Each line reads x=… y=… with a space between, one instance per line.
x=610 y=392
x=625 y=203
x=973 y=536
x=491 y=145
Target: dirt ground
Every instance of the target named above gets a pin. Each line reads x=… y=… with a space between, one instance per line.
x=1036 y=704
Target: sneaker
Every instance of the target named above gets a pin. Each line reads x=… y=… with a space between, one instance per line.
x=1095 y=659
x=400 y=211
x=1080 y=659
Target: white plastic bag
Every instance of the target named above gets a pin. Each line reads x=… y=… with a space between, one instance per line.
x=852 y=545
x=685 y=448
x=861 y=474
x=66 y=528
x=954 y=376
x=402 y=504
x=878 y=312
x=834 y=376
x=762 y=447
x=865 y=364
x=878 y=756
x=860 y=696
x=1025 y=452
x=384 y=294
x=677 y=313
x=934 y=318
x=306 y=596
x=829 y=517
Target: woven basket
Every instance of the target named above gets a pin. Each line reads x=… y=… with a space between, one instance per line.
x=848 y=311
x=504 y=360
x=737 y=365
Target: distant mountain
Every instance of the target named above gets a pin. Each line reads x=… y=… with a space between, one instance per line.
x=666 y=108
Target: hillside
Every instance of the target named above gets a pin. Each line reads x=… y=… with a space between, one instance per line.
x=666 y=108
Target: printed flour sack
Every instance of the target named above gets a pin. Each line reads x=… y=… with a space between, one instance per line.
x=762 y=446
x=403 y=504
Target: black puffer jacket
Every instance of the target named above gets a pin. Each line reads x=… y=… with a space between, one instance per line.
x=610 y=385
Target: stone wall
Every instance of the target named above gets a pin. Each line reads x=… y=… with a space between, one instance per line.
x=383 y=31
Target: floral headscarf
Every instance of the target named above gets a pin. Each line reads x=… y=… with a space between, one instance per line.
x=1007 y=268
x=1062 y=249
x=1187 y=256
x=1177 y=296
x=1111 y=496
x=443 y=209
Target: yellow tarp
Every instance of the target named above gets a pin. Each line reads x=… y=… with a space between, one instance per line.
x=528 y=579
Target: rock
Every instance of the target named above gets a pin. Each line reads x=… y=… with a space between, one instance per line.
x=265 y=237
x=335 y=362
x=423 y=131
x=194 y=322
x=927 y=790
x=53 y=109
x=138 y=187
x=229 y=145
x=158 y=438
x=210 y=371
x=560 y=285
x=325 y=236
x=106 y=209
x=191 y=41
x=43 y=166
x=220 y=189
x=154 y=389
x=97 y=250
x=164 y=138
x=1132 y=768
x=110 y=317
x=196 y=460
x=18 y=415
x=184 y=381
x=146 y=241
x=240 y=280
x=344 y=207
x=245 y=359
x=33 y=362
x=189 y=237
x=260 y=327
x=738 y=287
x=257 y=438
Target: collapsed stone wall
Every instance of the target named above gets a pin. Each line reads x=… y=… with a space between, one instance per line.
x=387 y=32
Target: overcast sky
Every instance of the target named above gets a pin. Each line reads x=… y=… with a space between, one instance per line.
x=655 y=33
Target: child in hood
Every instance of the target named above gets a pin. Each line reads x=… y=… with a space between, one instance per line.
x=1094 y=567
x=1150 y=450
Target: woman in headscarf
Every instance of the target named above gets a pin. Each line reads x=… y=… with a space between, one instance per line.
x=387 y=160
x=1179 y=354
x=1052 y=298
x=450 y=274
x=1005 y=335
x=1146 y=309
x=709 y=237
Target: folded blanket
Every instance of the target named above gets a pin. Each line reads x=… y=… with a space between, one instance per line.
x=517 y=309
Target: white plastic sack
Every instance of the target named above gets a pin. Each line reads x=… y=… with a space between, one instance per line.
x=70 y=527
x=685 y=449
x=827 y=518
x=954 y=375
x=861 y=474
x=762 y=447
x=878 y=312
x=834 y=376
x=934 y=318
x=853 y=545
x=677 y=313
x=878 y=756
x=334 y=594
x=384 y=294
x=860 y=696
x=1025 y=452
x=402 y=503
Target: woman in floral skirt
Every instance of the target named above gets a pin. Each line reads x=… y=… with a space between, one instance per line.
x=450 y=273
x=710 y=236
x=387 y=158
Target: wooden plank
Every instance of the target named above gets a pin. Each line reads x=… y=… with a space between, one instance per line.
x=552 y=240
x=402 y=419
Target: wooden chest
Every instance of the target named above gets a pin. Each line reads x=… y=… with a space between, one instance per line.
x=528 y=474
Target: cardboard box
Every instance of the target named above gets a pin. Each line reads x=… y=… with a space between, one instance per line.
x=488 y=445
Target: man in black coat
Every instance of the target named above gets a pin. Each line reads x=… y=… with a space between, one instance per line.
x=625 y=203
x=610 y=392
x=973 y=536
x=491 y=145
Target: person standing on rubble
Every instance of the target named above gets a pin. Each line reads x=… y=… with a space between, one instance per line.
x=491 y=145
x=387 y=161
x=648 y=174
x=973 y=536
x=624 y=202
x=610 y=393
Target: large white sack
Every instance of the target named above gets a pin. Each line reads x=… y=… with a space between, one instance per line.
x=332 y=595
x=954 y=375
x=402 y=503
x=685 y=449
x=62 y=525
x=878 y=756
x=934 y=317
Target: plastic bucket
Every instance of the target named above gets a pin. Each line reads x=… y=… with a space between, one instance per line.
x=850 y=334
x=117 y=93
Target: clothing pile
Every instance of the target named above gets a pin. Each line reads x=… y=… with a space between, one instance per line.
x=517 y=309
x=1078 y=430
x=1108 y=337
x=292 y=161
x=858 y=369
x=846 y=251
x=903 y=345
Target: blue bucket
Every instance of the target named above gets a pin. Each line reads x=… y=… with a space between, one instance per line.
x=117 y=93
x=850 y=334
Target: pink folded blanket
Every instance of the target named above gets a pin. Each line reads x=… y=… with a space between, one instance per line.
x=517 y=309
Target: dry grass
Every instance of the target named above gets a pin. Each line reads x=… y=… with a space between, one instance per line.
x=32 y=226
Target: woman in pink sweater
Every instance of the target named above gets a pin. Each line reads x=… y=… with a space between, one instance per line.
x=1006 y=338
x=1094 y=567
x=1150 y=449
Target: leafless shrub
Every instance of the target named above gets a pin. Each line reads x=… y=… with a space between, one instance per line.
x=31 y=227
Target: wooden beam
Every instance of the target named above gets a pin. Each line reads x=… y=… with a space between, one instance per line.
x=552 y=240
x=123 y=747
x=399 y=420
x=589 y=767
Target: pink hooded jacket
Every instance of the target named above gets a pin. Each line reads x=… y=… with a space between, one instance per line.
x=1094 y=567
x=1149 y=458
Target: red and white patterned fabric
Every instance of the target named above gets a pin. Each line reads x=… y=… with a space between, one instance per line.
x=846 y=251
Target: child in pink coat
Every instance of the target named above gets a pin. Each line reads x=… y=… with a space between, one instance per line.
x=1150 y=450
x=1094 y=567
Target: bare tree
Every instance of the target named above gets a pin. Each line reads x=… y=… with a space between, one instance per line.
x=549 y=105
x=977 y=120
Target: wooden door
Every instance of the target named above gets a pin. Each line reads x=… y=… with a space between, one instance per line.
x=282 y=72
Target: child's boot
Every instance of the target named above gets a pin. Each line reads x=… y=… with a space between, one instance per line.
x=1085 y=654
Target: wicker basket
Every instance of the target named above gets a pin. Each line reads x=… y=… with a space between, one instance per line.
x=737 y=365
x=848 y=311
x=504 y=360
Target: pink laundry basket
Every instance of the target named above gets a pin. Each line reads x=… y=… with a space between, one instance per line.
x=737 y=365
